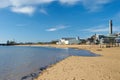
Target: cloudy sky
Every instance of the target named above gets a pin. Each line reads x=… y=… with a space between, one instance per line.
x=46 y=20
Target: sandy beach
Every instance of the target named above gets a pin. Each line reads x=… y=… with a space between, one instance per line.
x=104 y=67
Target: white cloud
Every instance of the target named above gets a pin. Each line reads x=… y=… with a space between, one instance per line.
x=43 y=11
x=56 y=28
x=29 y=2
x=23 y=6
x=4 y=3
x=16 y=3
x=24 y=10
x=101 y=28
x=91 y=5
x=70 y=2
x=94 y=5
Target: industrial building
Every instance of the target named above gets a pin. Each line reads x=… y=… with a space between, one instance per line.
x=110 y=39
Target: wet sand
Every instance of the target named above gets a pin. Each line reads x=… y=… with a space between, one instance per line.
x=104 y=67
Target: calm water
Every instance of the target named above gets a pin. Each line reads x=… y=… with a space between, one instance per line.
x=16 y=62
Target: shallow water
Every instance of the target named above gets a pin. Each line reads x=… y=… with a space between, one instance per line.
x=16 y=62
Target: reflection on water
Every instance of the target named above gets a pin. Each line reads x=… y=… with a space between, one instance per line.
x=16 y=62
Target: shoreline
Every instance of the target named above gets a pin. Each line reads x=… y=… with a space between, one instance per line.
x=105 y=67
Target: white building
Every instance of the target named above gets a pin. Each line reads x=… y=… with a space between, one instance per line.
x=69 y=41
x=98 y=37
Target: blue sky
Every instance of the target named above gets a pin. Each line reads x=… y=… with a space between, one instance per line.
x=46 y=20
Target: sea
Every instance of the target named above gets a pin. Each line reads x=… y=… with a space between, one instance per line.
x=26 y=62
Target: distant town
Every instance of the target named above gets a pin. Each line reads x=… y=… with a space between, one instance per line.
x=111 y=39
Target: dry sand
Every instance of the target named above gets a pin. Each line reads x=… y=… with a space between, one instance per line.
x=105 y=67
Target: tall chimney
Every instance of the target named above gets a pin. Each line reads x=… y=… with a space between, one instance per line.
x=110 y=27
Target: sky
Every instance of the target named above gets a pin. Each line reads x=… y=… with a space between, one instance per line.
x=46 y=20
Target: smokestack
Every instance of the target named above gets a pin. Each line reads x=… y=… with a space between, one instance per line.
x=110 y=27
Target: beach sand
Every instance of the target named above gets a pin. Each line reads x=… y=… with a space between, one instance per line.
x=104 y=67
